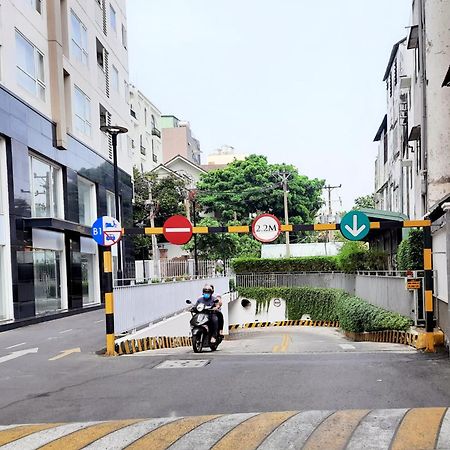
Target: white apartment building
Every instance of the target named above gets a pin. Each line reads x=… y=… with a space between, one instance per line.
x=393 y=168
x=63 y=74
x=144 y=138
x=412 y=169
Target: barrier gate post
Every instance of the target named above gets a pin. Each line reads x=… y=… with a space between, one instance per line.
x=428 y=288
x=109 y=302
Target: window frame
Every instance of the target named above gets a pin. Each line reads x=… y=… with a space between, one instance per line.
x=39 y=69
x=36 y=5
x=92 y=198
x=86 y=121
x=124 y=37
x=79 y=45
x=112 y=14
x=57 y=199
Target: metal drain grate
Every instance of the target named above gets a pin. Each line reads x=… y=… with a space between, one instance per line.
x=183 y=364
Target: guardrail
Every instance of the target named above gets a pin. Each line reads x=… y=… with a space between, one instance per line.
x=139 y=305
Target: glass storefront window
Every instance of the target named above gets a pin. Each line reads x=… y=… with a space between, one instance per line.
x=45 y=189
x=87 y=271
x=86 y=202
x=47 y=280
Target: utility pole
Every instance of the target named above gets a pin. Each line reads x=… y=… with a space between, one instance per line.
x=155 y=250
x=329 y=188
x=284 y=177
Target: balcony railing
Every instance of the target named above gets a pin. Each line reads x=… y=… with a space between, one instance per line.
x=156 y=132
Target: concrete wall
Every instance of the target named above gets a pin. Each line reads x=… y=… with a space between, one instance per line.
x=314 y=249
x=239 y=314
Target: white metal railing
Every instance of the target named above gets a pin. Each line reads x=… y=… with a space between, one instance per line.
x=170 y=270
x=138 y=305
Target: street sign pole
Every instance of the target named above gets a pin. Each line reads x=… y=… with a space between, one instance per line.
x=107 y=231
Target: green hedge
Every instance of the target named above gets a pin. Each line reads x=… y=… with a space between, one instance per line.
x=410 y=251
x=353 y=313
x=355 y=256
x=307 y=264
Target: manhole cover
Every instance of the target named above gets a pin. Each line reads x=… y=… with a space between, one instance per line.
x=183 y=364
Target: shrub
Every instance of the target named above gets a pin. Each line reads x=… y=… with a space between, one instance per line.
x=410 y=251
x=353 y=313
x=356 y=256
x=307 y=264
x=357 y=315
x=352 y=257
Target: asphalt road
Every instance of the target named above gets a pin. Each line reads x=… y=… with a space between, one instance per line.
x=263 y=370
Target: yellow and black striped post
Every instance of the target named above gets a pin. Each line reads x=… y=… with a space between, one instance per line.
x=428 y=288
x=109 y=302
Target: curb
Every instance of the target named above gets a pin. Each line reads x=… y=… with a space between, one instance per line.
x=151 y=343
x=287 y=323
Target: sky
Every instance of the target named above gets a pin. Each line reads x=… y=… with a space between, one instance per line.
x=299 y=81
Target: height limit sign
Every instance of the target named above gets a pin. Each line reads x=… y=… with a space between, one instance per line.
x=266 y=228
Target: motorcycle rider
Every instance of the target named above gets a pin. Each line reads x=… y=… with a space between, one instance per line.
x=208 y=299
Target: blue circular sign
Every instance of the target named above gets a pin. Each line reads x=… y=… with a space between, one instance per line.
x=106 y=231
x=355 y=226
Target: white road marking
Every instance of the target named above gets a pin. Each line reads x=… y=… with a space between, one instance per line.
x=98 y=321
x=206 y=435
x=378 y=428
x=65 y=331
x=347 y=347
x=183 y=364
x=178 y=230
x=295 y=431
x=444 y=435
x=66 y=353
x=41 y=438
x=18 y=354
x=14 y=346
x=122 y=438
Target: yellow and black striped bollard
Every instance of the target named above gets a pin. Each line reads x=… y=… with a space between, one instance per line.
x=109 y=302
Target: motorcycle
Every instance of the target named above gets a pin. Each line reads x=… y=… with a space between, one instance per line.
x=200 y=330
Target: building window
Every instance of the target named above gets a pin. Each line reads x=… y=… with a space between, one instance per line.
x=36 y=4
x=79 y=39
x=110 y=204
x=46 y=189
x=385 y=148
x=124 y=37
x=86 y=202
x=82 y=112
x=112 y=18
x=115 y=78
x=142 y=145
x=100 y=54
x=30 y=67
x=145 y=116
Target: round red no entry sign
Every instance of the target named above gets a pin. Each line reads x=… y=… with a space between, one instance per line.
x=177 y=230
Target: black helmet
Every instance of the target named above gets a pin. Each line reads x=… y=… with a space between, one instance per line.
x=208 y=289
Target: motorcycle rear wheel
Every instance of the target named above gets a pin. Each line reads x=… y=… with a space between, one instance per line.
x=197 y=343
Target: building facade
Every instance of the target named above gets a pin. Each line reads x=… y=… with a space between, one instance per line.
x=144 y=137
x=413 y=164
x=177 y=139
x=63 y=74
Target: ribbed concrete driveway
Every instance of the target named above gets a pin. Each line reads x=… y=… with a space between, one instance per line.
x=394 y=429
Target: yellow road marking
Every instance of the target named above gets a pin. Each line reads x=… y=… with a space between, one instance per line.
x=165 y=436
x=287 y=341
x=335 y=431
x=19 y=432
x=249 y=434
x=419 y=429
x=66 y=353
x=276 y=348
x=86 y=436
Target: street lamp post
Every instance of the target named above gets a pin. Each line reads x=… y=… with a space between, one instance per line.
x=114 y=131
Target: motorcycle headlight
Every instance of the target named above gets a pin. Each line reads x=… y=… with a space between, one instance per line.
x=200 y=307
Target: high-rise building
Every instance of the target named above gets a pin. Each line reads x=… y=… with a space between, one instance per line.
x=63 y=74
x=144 y=137
x=177 y=139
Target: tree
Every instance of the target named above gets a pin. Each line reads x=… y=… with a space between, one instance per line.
x=365 y=201
x=252 y=187
x=223 y=245
x=168 y=196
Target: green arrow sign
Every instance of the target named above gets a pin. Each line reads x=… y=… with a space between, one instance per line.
x=355 y=226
